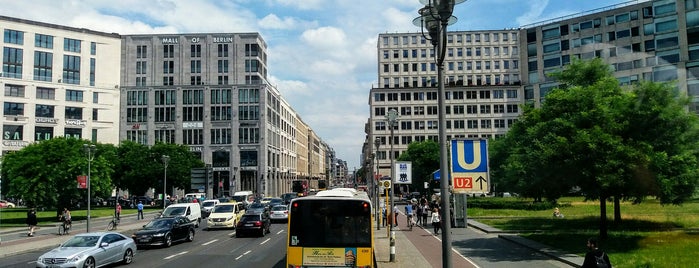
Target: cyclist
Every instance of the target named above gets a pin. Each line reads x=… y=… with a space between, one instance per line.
x=67 y=219
x=409 y=213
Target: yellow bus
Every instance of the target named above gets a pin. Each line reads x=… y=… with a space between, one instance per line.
x=331 y=229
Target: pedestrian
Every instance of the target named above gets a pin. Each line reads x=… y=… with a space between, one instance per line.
x=418 y=211
x=31 y=221
x=436 y=223
x=140 y=210
x=395 y=215
x=383 y=218
x=425 y=212
x=118 y=211
x=595 y=258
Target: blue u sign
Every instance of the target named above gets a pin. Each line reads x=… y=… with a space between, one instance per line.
x=469 y=156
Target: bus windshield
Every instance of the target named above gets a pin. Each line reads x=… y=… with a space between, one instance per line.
x=330 y=223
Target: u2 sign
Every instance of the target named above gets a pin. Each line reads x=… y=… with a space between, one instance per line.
x=469 y=164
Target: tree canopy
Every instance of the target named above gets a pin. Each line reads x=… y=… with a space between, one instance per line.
x=44 y=174
x=424 y=158
x=593 y=136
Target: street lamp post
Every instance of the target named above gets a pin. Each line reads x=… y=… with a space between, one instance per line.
x=377 y=143
x=392 y=117
x=435 y=17
x=90 y=153
x=166 y=160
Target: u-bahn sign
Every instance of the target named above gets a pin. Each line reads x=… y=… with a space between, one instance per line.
x=469 y=166
x=403 y=172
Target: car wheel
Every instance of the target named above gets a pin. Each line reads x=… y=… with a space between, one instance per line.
x=168 y=240
x=128 y=256
x=190 y=236
x=89 y=263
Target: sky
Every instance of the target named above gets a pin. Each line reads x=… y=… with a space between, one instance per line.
x=321 y=53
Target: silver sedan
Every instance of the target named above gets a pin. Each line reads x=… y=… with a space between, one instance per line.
x=90 y=250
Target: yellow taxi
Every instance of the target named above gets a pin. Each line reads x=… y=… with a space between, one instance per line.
x=225 y=215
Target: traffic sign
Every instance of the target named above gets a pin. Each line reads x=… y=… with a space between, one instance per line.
x=404 y=171
x=386 y=184
x=469 y=161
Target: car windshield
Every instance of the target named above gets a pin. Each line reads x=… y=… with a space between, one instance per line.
x=81 y=241
x=208 y=203
x=159 y=224
x=223 y=209
x=173 y=211
x=279 y=208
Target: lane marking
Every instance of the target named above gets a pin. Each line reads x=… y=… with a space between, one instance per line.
x=231 y=234
x=207 y=243
x=246 y=253
x=266 y=240
x=178 y=254
x=438 y=237
x=280 y=231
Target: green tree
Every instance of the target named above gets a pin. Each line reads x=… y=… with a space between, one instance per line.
x=608 y=142
x=44 y=174
x=424 y=158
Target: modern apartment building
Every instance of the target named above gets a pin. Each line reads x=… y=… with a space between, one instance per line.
x=58 y=81
x=654 y=40
x=483 y=92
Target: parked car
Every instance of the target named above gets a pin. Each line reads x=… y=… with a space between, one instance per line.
x=225 y=215
x=279 y=213
x=253 y=222
x=165 y=231
x=90 y=250
x=7 y=204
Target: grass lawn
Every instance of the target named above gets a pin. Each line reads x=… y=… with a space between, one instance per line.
x=16 y=217
x=650 y=235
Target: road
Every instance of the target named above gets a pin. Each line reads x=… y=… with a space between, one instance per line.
x=215 y=248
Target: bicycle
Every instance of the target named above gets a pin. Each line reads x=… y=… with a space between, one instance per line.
x=64 y=228
x=410 y=221
x=113 y=224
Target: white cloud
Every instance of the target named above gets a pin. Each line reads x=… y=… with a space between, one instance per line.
x=272 y=21
x=325 y=38
x=533 y=13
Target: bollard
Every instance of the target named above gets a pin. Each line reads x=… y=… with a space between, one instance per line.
x=393 y=247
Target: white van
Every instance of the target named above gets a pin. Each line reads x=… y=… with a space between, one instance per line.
x=199 y=196
x=190 y=210
x=245 y=197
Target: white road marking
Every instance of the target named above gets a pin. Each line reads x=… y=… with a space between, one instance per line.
x=439 y=238
x=207 y=243
x=231 y=234
x=178 y=254
x=246 y=253
x=263 y=242
x=280 y=231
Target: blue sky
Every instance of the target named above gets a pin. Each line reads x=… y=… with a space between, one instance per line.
x=322 y=53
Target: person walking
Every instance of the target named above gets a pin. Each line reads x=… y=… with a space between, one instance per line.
x=425 y=212
x=418 y=212
x=118 y=211
x=31 y=221
x=395 y=215
x=140 y=210
x=595 y=257
x=436 y=224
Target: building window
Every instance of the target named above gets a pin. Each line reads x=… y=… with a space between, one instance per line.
x=74 y=113
x=195 y=51
x=139 y=114
x=222 y=50
x=45 y=41
x=71 y=45
x=74 y=95
x=12 y=62
x=168 y=51
x=93 y=48
x=14 y=90
x=76 y=133
x=168 y=67
x=14 y=37
x=43 y=66
x=42 y=110
x=71 y=69
x=12 y=108
x=43 y=133
x=141 y=52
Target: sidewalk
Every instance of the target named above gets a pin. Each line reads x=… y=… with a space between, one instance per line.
x=47 y=235
x=406 y=254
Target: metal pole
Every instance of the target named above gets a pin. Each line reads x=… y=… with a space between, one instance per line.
x=166 y=160
x=89 y=150
x=443 y=156
x=392 y=118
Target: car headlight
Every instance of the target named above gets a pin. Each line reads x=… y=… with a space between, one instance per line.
x=159 y=235
x=75 y=259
